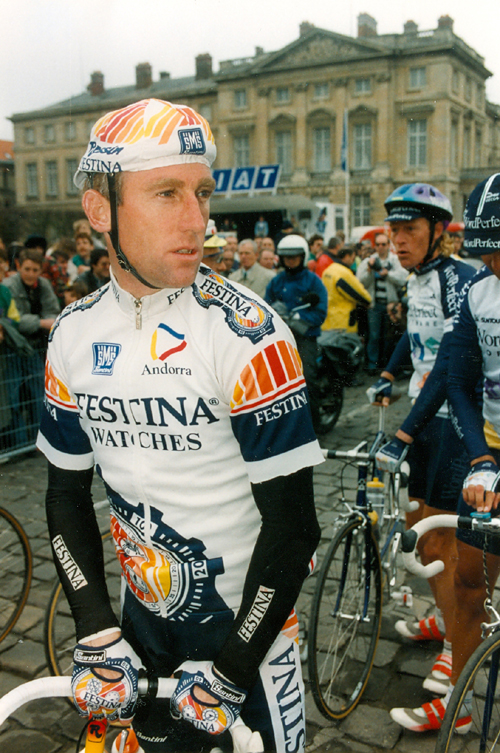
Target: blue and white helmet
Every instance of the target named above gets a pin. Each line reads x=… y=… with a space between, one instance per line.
x=415 y=200
x=482 y=218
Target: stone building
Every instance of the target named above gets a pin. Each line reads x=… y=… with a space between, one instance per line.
x=414 y=104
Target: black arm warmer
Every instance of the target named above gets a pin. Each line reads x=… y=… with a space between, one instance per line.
x=288 y=539
x=400 y=356
x=77 y=549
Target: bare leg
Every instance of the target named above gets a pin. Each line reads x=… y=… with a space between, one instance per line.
x=440 y=544
x=470 y=592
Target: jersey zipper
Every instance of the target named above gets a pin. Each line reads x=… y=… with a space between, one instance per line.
x=138 y=313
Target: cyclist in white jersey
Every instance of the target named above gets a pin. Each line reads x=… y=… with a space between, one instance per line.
x=473 y=380
x=418 y=215
x=186 y=394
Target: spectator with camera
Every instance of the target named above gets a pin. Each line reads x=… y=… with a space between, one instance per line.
x=383 y=277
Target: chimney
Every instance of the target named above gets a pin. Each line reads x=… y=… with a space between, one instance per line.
x=203 y=66
x=445 y=22
x=367 y=26
x=143 y=76
x=96 y=85
x=259 y=51
x=164 y=75
x=410 y=28
x=305 y=28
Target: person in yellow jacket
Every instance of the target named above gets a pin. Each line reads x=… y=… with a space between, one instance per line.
x=345 y=292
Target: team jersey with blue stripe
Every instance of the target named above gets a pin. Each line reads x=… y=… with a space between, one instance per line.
x=180 y=401
x=475 y=357
x=433 y=299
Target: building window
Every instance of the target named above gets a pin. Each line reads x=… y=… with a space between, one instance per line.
x=240 y=99
x=417 y=77
x=361 y=209
x=31 y=180
x=454 y=144
x=321 y=91
x=466 y=148
x=50 y=134
x=478 y=147
x=71 y=168
x=206 y=111
x=455 y=81
x=468 y=89
x=417 y=143
x=242 y=150
x=282 y=94
x=70 y=131
x=363 y=86
x=51 y=177
x=363 y=146
x=283 y=141
x=29 y=135
x=479 y=95
x=322 y=150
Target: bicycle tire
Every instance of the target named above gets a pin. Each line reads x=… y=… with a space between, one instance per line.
x=16 y=570
x=476 y=672
x=344 y=626
x=59 y=636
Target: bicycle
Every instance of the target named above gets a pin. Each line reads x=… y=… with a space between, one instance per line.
x=346 y=607
x=481 y=670
x=244 y=740
x=16 y=568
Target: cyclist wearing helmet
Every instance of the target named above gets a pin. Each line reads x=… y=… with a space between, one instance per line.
x=187 y=396
x=304 y=296
x=418 y=215
x=475 y=360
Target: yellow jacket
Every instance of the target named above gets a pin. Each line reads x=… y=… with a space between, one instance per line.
x=345 y=292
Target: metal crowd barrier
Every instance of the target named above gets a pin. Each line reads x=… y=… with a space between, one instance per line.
x=21 y=398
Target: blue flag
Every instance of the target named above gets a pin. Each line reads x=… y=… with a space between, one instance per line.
x=343 y=148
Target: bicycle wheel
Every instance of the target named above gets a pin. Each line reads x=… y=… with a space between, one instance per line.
x=345 y=620
x=16 y=568
x=481 y=672
x=59 y=637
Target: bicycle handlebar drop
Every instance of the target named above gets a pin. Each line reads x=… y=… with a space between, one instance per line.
x=244 y=740
x=410 y=539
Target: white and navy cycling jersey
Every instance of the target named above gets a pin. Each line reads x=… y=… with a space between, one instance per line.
x=433 y=298
x=180 y=401
x=475 y=357
x=433 y=301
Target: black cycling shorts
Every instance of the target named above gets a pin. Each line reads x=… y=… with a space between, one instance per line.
x=438 y=465
x=274 y=706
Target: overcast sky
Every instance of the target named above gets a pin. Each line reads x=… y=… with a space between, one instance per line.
x=50 y=47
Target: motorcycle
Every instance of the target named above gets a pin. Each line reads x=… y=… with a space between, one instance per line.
x=340 y=358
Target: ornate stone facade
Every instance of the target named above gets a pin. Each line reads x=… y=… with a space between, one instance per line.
x=415 y=102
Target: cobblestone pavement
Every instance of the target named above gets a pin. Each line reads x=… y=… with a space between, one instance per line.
x=51 y=726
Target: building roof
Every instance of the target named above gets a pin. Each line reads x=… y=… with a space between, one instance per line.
x=314 y=46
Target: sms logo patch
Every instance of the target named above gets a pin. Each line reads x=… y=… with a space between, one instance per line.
x=104 y=357
x=165 y=342
x=192 y=141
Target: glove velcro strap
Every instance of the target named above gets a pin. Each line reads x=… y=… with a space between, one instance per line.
x=227 y=692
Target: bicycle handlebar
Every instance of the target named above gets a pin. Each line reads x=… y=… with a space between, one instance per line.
x=411 y=537
x=244 y=740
